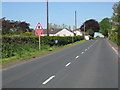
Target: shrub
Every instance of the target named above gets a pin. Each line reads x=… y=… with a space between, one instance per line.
x=18 y=45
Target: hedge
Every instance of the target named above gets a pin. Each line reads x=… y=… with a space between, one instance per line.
x=16 y=45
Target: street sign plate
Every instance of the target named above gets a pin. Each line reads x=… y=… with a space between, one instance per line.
x=39 y=29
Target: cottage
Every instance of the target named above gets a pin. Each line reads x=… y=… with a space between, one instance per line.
x=78 y=32
x=58 y=32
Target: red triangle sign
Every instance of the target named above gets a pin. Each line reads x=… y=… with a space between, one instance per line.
x=39 y=29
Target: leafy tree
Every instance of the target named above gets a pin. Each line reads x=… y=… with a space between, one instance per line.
x=91 y=25
x=105 y=26
x=14 y=27
x=55 y=26
x=115 y=32
x=64 y=26
x=90 y=32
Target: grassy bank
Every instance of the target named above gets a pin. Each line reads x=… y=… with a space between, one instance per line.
x=33 y=51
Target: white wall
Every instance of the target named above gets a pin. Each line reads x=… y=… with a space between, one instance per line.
x=64 y=32
x=87 y=37
x=46 y=35
x=78 y=33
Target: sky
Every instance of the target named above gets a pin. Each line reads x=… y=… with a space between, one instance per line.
x=59 y=12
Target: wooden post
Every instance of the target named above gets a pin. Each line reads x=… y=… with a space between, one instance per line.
x=39 y=43
x=47 y=20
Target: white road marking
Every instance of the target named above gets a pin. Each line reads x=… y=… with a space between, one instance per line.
x=68 y=64
x=82 y=52
x=48 y=80
x=115 y=50
x=77 y=57
x=85 y=49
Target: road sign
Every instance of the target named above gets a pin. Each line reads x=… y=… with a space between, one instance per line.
x=39 y=29
x=56 y=41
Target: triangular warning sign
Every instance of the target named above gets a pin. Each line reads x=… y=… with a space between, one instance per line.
x=39 y=29
x=38 y=26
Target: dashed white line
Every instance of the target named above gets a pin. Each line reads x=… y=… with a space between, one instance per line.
x=68 y=64
x=85 y=49
x=48 y=80
x=77 y=57
x=82 y=52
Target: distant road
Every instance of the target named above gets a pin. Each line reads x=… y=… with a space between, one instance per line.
x=92 y=64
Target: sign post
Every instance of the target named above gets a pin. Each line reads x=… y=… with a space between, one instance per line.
x=39 y=43
x=39 y=31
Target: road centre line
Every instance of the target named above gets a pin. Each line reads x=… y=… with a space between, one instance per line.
x=85 y=49
x=77 y=57
x=45 y=82
x=68 y=64
x=82 y=52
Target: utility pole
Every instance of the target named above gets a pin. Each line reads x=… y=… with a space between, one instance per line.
x=47 y=20
x=84 y=30
x=75 y=20
x=75 y=26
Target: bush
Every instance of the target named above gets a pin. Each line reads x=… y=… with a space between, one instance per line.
x=18 y=45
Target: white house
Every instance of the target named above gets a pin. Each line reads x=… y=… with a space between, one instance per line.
x=87 y=36
x=78 y=32
x=64 y=32
x=58 y=32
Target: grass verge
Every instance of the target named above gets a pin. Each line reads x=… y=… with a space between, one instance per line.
x=28 y=55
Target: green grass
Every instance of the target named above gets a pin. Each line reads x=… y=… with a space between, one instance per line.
x=27 y=53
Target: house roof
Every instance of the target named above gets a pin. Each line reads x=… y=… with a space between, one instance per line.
x=53 y=31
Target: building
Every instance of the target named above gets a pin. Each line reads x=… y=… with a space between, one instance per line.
x=87 y=36
x=78 y=32
x=58 y=32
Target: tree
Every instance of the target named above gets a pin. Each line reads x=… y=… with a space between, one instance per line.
x=105 y=26
x=90 y=32
x=55 y=26
x=115 y=32
x=91 y=25
x=64 y=26
x=14 y=27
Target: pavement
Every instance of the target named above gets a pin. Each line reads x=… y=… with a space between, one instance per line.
x=92 y=64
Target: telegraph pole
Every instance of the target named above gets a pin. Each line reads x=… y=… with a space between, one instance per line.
x=47 y=20
x=75 y=20
x=84 y=30
x=75 y=25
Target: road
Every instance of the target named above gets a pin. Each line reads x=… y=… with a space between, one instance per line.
x=92 y=64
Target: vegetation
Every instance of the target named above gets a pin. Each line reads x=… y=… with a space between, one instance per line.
x=19 y=41
x=16 y=46
x=14 y=27
x=91 y=32
x=115 y=31
x=55 y=26
x=91 y=25
x=105 y=26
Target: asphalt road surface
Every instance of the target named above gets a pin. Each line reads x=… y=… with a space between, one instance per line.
x=92 y=64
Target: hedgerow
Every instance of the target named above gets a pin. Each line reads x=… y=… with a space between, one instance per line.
x=18 y=45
